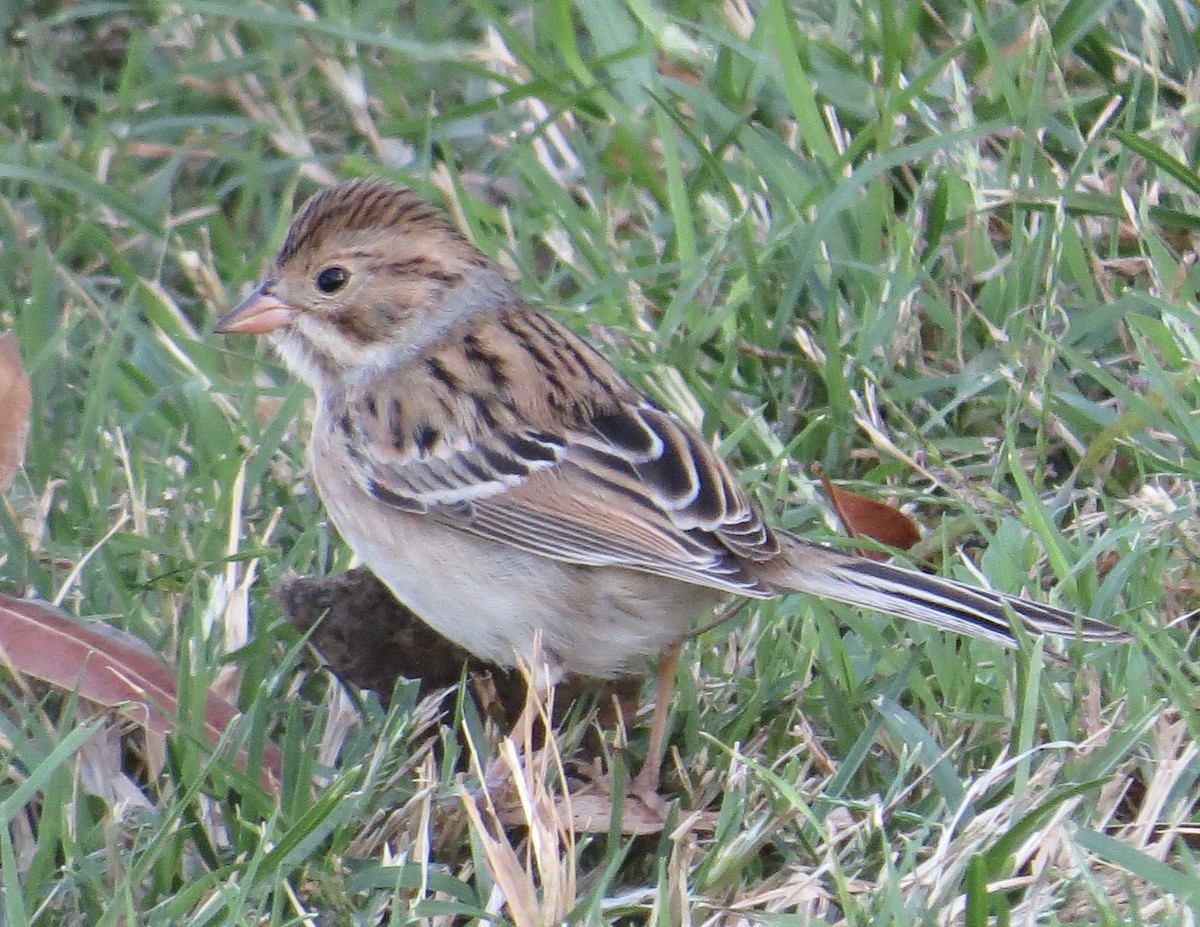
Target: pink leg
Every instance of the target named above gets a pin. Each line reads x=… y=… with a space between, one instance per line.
x=668 y=662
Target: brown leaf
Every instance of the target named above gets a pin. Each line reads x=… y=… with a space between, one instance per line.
x=591 y=813
x=16 y=399
x=868 y=518
x=589 y=808
x=108 y=667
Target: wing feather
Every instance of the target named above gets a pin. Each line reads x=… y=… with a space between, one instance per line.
x=634 y=488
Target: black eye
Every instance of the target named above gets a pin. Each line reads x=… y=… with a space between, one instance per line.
x=332 y=279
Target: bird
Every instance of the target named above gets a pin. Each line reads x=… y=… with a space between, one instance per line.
x=514 y=490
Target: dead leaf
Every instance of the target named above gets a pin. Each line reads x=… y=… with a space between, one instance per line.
x=16 y=399
x=588 y=805
x=868 y=518
x=591 y=813
x=110 y=668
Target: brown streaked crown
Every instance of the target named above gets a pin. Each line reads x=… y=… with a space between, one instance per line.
x=356 y=206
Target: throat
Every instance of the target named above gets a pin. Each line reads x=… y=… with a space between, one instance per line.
x=305 y=360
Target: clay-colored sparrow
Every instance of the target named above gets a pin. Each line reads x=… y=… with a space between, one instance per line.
x=503 y=479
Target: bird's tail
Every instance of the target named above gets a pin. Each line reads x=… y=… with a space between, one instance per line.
x=943 y=603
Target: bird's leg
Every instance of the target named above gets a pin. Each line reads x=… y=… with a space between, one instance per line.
x=646 y=781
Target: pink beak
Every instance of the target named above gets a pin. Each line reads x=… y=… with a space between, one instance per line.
x=260 y=312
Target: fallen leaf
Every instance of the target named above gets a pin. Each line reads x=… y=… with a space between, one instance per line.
x=16 y=399
x=869 y=518
x=110 y=668
x=591 y=813
x=588 y=805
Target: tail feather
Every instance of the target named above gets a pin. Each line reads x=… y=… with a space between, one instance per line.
x=943 y=603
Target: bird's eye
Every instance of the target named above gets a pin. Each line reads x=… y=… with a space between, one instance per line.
x=332 y=279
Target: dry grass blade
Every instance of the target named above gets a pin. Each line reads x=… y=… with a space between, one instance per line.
x=109 y=668
x=16 y=400
x=538 y=883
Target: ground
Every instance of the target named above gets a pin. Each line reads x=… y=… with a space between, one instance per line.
x=945 y=252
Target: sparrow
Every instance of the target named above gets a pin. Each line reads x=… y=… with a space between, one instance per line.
x=508 y=484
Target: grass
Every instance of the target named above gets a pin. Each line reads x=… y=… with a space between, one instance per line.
x=945 y=252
